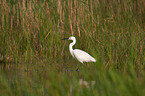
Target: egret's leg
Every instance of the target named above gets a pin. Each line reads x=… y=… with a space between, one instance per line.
x=78 y=66
x=77 y=69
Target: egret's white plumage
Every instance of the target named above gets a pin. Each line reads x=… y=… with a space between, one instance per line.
x=80 y=55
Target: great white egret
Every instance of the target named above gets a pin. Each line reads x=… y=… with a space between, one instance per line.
x=80 y=55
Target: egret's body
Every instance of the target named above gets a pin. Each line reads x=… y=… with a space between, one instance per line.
x=80 y=55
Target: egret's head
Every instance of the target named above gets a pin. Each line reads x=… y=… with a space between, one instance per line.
x=70 y=38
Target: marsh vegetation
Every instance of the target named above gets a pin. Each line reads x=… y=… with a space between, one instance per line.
x=35 y=61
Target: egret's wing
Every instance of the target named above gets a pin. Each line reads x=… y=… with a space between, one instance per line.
x=83 y=56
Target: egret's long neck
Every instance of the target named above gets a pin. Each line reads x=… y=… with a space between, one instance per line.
x=70 y=47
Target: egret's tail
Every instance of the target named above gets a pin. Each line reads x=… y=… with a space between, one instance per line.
x=93 y=60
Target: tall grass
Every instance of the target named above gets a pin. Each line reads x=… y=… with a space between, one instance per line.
x=34 y=60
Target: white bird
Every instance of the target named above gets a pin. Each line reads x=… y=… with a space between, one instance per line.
x=80 y=55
